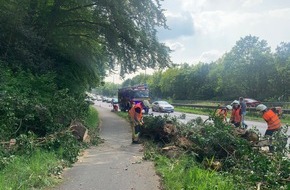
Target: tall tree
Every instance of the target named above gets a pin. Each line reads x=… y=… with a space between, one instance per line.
x=91 y=35
x=282 y=82
x=248 y=68
x=167 y=82
x=155 y=85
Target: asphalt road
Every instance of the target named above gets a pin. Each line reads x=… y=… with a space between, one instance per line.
x=115 y=164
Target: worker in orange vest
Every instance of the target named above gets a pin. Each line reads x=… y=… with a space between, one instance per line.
x=223 y=112
x=272 y=120
x=136 y=121
x=236 y=114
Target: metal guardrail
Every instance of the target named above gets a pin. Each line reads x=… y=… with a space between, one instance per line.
x=269 y=104
x=285 y=111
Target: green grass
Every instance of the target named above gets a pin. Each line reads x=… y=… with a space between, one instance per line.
x=122 y=114
x=92 y=123
x=30 y=172
x=199 y=111
x=92 y=120
x=39 y=170
x=184 y=173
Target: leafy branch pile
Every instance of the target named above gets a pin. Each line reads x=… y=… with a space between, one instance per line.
x=218 y=146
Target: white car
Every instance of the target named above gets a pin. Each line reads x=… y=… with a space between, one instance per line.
x=162 y=106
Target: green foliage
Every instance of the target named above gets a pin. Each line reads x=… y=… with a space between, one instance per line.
x=139 y=79
x=22 y=102
x=64 y=144
x=51 y=52
x=92 y=123
x=31 y=102
x=66 y=147
x=34 y=163
x=184 y=173
x=250 y=69
x=108 y=89
x=107 y=33
x=219 y=142
x=30 y=171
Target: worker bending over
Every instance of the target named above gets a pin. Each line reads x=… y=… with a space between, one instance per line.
x=136 y=121
x=236 y=114
x=272 y=120
x=223 y=112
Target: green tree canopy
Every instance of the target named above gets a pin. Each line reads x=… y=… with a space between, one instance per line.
x=83 y=38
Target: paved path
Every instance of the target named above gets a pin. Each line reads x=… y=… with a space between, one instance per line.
x=115 y=164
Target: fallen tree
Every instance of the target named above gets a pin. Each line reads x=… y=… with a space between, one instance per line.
x=221 y=147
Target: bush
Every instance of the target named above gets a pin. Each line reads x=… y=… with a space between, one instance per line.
x=30 y=102
x=218 y=142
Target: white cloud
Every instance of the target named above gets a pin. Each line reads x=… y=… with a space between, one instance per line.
x=280 y=13
x=179 y=24
x=175 y=46
x=219 y=24
x=209 y=56
x=251 y=3
x=202 y=30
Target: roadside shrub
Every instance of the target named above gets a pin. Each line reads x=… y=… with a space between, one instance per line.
x=219 y=143
x=30 y=102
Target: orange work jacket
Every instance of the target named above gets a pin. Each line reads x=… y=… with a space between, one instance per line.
x=137 y=117
x=272 y=120
x=236 y=115
x=222 y=113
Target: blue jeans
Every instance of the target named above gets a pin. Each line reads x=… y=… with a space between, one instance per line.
x=243 y=119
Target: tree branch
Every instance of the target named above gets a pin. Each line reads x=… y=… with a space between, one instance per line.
x=82 y=6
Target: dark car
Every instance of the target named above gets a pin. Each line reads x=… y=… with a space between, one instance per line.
x=251 y=102
x=162 y=106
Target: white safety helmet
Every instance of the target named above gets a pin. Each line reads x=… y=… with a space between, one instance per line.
x=236 y=102
x=229 y=107
x=261 y=107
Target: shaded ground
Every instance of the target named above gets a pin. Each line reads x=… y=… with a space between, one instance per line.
x=114 y=165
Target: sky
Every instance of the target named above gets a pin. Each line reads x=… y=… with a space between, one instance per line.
x=203 y=30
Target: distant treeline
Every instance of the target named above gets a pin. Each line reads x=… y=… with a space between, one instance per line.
x=250 y=69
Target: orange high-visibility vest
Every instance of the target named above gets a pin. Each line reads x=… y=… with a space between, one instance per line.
x=134 y=115
x=236 y=116
x=272 y=120
x=222 y=113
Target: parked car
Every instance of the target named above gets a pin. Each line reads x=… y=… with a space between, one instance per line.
x=89 y=100
x=162 y=106
x=99 y=98
x=115 y=101
x=104 y=99
x=251 y=102
x=109 y=100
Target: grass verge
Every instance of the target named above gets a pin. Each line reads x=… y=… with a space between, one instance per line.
x=39 y=168
x=92 y=123
x=185 y=173
x=92 y=120
x=30 y=172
